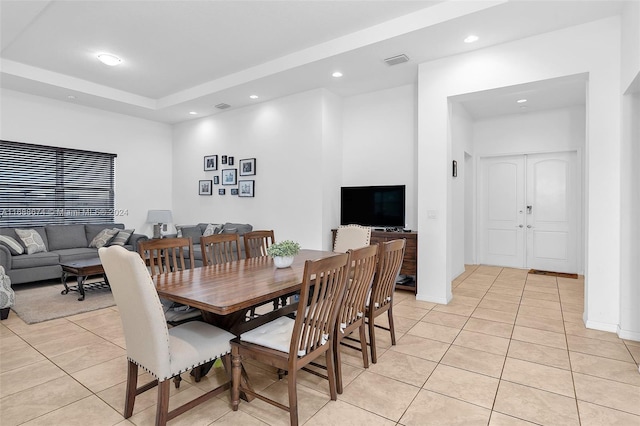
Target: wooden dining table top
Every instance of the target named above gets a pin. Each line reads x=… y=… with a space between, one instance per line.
x=235 y=286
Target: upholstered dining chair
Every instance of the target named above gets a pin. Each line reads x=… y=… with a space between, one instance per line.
x=166 y=255
x=290 y=344
x=351 y=316
x=220 y=248
x=390 y=255
x=161 y=351
x=351 y=237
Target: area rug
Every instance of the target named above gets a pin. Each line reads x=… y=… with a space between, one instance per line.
x=42 y=302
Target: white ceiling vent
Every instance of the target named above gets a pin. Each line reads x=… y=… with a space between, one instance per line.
x=223 y=106
x=395 y=60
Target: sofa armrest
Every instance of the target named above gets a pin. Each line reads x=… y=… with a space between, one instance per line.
x=134 y=239
x=5 y=258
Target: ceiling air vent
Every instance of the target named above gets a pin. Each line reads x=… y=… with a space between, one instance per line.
x=395 y=60
x=223 y=106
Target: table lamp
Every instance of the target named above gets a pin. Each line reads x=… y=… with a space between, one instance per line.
x=159 y=218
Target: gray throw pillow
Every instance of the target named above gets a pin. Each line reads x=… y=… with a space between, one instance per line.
x=31 y=240
x=121 y=237
x=14 y=247
x=103 y=238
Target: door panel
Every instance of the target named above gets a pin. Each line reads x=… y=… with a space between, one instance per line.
x=552 y=193
x=502 y=187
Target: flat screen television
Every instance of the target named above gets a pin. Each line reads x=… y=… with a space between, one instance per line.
x=375 y=206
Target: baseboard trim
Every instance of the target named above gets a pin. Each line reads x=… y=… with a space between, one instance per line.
x=628 y=334
x=429 y=298
x=602 y=326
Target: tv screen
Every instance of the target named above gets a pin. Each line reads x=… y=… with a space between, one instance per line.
x=376 y=206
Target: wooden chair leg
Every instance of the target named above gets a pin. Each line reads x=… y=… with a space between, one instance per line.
x=337 y=357
x=176 y=380
x=363 y=345
x=236 y=375
x=162 y=409
x=392 y=329
x=331 y=375
x=132 y=384
x=293 y=398
x=372 y=341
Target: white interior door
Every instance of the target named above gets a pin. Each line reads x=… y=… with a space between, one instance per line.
x=528 y=208
x=551 y=218
x=502 y=211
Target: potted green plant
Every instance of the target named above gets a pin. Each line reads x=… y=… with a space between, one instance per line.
x=283 y=253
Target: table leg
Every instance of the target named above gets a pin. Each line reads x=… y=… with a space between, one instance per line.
x=81 y=279
x=64 y=282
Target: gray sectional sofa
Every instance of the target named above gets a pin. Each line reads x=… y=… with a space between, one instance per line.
x=196 y=231
x=64 y=243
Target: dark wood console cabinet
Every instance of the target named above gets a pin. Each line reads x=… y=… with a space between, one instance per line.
x=410 y=262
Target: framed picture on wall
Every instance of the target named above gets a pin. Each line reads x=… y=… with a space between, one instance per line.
x=234 y=191
x=230 y=161
x=210 y=162
x=221 y=191
x=216 y=180
x=246 y=188
x=229 y=177
x=247 y=167
x=223 y=159
x=204 y=187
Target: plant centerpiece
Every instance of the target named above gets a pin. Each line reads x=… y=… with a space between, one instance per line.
x=283 y=253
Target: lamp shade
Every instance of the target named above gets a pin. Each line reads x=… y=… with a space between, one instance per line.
x=159 y=216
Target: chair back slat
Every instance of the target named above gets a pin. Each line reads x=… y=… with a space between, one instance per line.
x=323 y=287
x=220 y=248
x=167 y=254
x=390 y=256
x=363 y=267
x=257 y=242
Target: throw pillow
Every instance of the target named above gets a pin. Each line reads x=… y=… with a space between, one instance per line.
x=31 y=240
x=121 y=237
x=15 y=248
x=210 y=230
x=103 y=238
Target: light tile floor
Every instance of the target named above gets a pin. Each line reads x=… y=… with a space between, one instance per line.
x=510 y=349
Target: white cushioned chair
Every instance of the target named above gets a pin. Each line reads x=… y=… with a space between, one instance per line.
x=162 y=352
x=351 y=237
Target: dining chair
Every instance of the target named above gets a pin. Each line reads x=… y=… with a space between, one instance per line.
x=351 y=315
x=290 y=344
x=390 y=256
x=166 y=255
x=351 y=237
x=255 y=245
x=161 y=351
x=220 y=248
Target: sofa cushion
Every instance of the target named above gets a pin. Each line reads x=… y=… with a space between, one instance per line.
x=34 y=260
x=121 y=237
x=103 y=238
x=9 y=242
x=191 y=231
x=31 y=240
x=71 y=255
x=65 y=236
x=236 y=228
x=92 y=229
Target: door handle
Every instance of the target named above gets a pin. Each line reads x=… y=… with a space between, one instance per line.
x=528 y=226
x=519 y=226
x=529 y=208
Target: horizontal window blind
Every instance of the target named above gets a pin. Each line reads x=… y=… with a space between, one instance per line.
x=42 y=185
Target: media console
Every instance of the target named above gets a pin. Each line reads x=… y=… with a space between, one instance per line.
x=410 y=261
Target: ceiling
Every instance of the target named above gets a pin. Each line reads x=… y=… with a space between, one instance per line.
x=183 y=56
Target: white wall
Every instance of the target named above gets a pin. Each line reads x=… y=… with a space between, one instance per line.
x=461 y=142
x=143 y=165
x=286 y=136
x=379 y=142
x=593 y=48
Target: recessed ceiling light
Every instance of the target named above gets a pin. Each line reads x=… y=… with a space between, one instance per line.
x=253 y=96
x=337 y=74
x=109 y=59
x=521 y=101
x=193 y=113
x=471 y=39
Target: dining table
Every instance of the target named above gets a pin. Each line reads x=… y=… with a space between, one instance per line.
x=225 y=292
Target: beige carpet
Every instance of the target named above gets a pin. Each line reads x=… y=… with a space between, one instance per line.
x=41 y=302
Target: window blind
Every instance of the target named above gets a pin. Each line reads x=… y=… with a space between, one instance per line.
x=42 y=185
